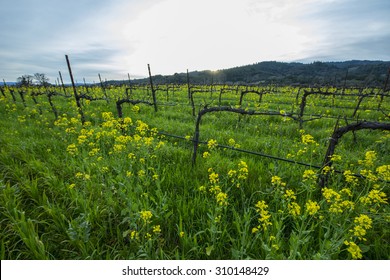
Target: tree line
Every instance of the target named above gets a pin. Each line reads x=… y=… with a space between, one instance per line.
x=354 y=73
x=29 y=80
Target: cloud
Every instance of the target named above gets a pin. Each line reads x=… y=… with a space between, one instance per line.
x=350 y=29
x=119 y=37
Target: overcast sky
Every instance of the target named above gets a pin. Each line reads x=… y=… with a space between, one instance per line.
x=118 y=37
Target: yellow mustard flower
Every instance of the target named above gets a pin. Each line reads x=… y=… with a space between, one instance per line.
x=156 y=229
x=354 y=250
x=72 y=149
x=294 y=209
x=146 y=215
x=312 y=207
x=277 y=181
x=212 y=144
x=362 y=223
x=374 y=197
x=213 y=178
x=222 y=198
x=205 y=154
x=134 y=235
x=369 y=159
x=384 y=172
x=290 y=194
x=309 y=175
x=264 y=220
x=349 y=177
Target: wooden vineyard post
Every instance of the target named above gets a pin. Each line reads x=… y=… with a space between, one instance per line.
x=103 y=88
x=188 y=85
x=62 y=82
x=76 y=96
x=192 y=103
x=153 y=91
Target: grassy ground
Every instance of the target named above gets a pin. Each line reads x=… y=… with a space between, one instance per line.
x=117 y=189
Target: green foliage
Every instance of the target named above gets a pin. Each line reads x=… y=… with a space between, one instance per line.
x=120 y=189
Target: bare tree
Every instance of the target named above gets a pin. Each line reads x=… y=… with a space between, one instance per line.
x=25 y=80
x=41 y=79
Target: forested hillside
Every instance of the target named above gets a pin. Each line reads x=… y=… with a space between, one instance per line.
x=350 y=73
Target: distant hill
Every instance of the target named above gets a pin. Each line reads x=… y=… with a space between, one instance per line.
x=359 y=73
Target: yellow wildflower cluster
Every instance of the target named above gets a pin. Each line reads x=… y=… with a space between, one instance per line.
x=84 y=176
x=238 y=176
x=141 y=127
x=221 y=198
x=312 y=207
x=232 y=143
x=276 y=181
x=242 y=170
x=327 y=169
x=212 y=144
x=362 y=223
x=72 y=149
x=307 y=144
x=293 y=208
x=205 y=154
x=369 y=159
x=308 y=139
x=145 y=230
x=213 y=177
x=265 y=216
x=115 y=124
x=335 y=200
x=156 y=229
x=135 y=109
x=350 y=177
x=309 y=175
x=62 y=121
x=384 y=172
x=146 y=215
x=123 y=139
x=354 y=250
x=374 y=197
x=134 y=235
x=107 y=116
x=290 y=195
x=369 y=175
x=118 y=148
x=335 y=158
x=214 y=188
x=93 y=152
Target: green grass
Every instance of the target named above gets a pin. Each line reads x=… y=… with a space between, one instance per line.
x=73 y=191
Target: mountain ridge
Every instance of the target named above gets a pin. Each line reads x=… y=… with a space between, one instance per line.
x=359 y=73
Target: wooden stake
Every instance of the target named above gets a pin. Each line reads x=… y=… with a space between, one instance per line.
x=62 y=82
x=153 y=91
x=76 y=96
